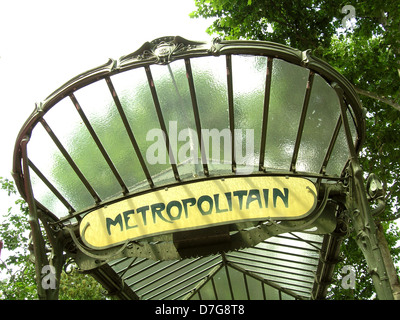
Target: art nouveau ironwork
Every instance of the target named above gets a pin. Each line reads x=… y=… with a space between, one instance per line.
x=178 y=113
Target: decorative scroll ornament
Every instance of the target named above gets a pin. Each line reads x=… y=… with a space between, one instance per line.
x=161 y=49
x=163 y=52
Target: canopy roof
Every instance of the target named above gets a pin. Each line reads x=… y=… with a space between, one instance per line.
x=93 y=142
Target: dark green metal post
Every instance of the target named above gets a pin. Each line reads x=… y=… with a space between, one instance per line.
x=360 y=214
x=366 y=233
x=47 y=273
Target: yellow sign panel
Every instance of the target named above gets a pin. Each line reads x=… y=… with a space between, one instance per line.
x=199 y=205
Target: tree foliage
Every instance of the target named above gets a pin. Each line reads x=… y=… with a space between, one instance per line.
x=371 y=43
x=17 y=271
x=363 y=45
x=367 y=53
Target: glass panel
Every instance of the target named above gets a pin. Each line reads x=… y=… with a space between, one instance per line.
x=209 y=75
x=271 y=293
x=284 y=251
x=42 y=194
x=319 y=126
x=195 y=297
x=249 y=75
x=222 y=285
x=182 y=280
x=340 y=154
x=160 y=278
x=207 y=291
x=238 y=287
x=99 y=107
x=173 y=93
x=255 y=289
x=134 y=93
x=287 y=297
x=165 y=279
x=69 y=128
x=288 y=87
x=352 y=125
x=49 y=160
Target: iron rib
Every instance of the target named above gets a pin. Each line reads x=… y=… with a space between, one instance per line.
x=51 y=187
x=129 y=131
x=265 y=113
x=71 y=162
x=231 y=108
x=99 y=144
x=302 y=120
x=189 y=74
x=161 y=121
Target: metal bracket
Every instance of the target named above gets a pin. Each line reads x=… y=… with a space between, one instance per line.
x=365 y=229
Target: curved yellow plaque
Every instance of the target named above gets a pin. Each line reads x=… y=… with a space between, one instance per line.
x=198 y=205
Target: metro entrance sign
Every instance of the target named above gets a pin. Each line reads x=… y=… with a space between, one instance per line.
x=199 y=205
x=118 y=169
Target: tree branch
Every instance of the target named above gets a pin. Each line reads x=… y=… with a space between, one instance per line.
x=375 y=96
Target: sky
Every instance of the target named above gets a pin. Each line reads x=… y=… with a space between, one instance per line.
x=45 y=43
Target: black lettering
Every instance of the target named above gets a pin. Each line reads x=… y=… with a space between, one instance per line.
x=278 y=193
x=216 y=201
x=210 y=203
x=126 y=219
x=254 y=194
x=266 y=193
x=228 y=196
x=143 y=210
x=171 y=205
x=191 y=201
x=110 y=222
x=240 y=194
x=156 y=209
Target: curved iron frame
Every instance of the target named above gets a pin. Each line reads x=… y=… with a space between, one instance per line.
x=349 y=191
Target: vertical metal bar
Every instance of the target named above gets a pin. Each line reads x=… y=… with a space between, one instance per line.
x=349 y=138
x=189 y=74
x=360 y=213
x=214 y=288
x=331 y=145
x=161 y=121
x=231 y=108
x=99 y=144
x=366 y=233
x=267 y=94
x=70 y=161
x=229 y=281
x=186 y=116
x=51 y=187
x=56 y=242
x=246 y=286
x=343 y=114
x=263 y=290
x=129 y=131
x=37 y=237
x=302 y=120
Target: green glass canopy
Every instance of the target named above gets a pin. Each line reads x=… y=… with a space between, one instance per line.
x=176 y=113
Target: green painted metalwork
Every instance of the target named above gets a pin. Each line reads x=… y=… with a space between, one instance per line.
x=307 y=122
